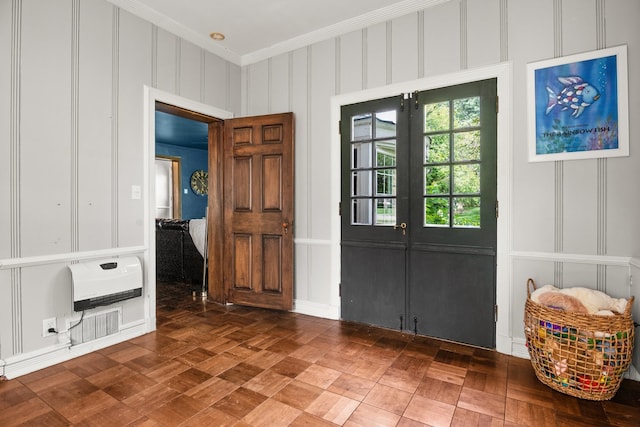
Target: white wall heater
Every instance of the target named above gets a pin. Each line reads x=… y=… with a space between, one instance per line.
x=104 y=282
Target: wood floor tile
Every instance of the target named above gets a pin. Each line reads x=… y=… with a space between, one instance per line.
x=290 y=367
x=368 y=369
x=67 y=392
x=465 y=418
x=307 y=420
x=370 y=416
x=429 y=411
x=88 y=406
x=318 y=376
x=408 y=422
x=482 y=402
x=215 y=365
x=401 y=379
x=188 y=379
x=49 y=419
x=116 y=415
x=212 y=390
x=129 y=386
x=240 y=402
x=388 y=398
x=211 y=417
x=268 y=383
x=351 y=386
x=489 y=383
x=151 y=398
x=529 y=414
x=333 y=407
x=176 y=411
x=89 y=364
x=448 y=373
x=272 y=413
x=441 y=391
x=241 y=373
x=309 y=353
x=13 y=393
x=265 y=359
x=298 y=394
x=23 y=412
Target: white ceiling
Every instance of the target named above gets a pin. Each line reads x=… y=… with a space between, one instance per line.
x=258 y=29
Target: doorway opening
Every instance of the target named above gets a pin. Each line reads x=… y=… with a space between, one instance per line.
x=168 y=200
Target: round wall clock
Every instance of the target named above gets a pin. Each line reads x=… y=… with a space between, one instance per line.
x=200 y=182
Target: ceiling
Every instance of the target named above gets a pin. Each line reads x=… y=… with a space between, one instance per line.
x=175 y=130
x=259 y=29
x=256 y=30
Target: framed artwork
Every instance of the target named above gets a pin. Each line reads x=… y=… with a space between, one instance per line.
x=578 y=106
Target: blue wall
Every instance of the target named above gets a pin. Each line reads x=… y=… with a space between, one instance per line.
x=193 y=205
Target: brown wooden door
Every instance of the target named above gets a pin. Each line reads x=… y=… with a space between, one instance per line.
x=258 y=211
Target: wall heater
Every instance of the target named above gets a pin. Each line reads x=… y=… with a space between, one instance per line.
x=99 y=283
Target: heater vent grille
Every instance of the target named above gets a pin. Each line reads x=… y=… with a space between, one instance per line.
x=96 y=326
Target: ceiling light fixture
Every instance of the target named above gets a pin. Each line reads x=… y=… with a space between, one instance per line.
x=217 y=36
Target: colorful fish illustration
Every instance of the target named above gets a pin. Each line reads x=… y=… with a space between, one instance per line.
x=576 y=94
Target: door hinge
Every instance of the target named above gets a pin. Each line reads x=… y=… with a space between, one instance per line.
x=339 y=208
x=339 y=127
x=495 y=313
x=497 y=209
x=339 y=289
x=497 y=104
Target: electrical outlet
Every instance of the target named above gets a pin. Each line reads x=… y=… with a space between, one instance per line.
x=48 y=324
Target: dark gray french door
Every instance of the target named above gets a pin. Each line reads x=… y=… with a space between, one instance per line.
x=418 y=248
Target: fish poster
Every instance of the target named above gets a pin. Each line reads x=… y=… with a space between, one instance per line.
x=578 y=109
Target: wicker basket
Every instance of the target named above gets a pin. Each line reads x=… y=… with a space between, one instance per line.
x=582 y=355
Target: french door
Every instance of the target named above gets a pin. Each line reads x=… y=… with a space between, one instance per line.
x=419 y=212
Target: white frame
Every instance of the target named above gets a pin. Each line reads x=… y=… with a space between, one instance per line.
x=622 y=106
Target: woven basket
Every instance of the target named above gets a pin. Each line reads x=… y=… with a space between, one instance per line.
x=582 y=355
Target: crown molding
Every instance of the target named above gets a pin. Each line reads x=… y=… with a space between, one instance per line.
x=145 y=12
x=359 y=22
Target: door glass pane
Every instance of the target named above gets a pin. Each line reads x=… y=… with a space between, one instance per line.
x=466 y=146
x=361 y=155
x=436 y=117
x=361 y=211
x=385 y=212
x=436 y=148
x=466 y=112
x=436 y=180
x=361 y=183
x=436 y=211
x=386 y=153
x=361 y=127
x=386 y=182
x=466 y=212
x=386 y=124
x=466 y=179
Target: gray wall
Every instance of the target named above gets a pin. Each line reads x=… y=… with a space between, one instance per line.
x=71 y=131
x=71 y=146
x=572 y=222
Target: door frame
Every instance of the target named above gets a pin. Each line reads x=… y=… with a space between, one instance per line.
x=151 y=95
x=503 y=73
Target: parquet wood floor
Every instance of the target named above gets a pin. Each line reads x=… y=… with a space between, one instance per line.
x=210 y=365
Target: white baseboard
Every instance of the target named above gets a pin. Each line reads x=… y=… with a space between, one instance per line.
x=315 y=309
x=519 y=348
x=26 y=363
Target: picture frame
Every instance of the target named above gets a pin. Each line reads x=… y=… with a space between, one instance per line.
x=578 y=106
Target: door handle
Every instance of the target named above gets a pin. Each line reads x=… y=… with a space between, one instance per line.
x=285 y=226
x=403 y=226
